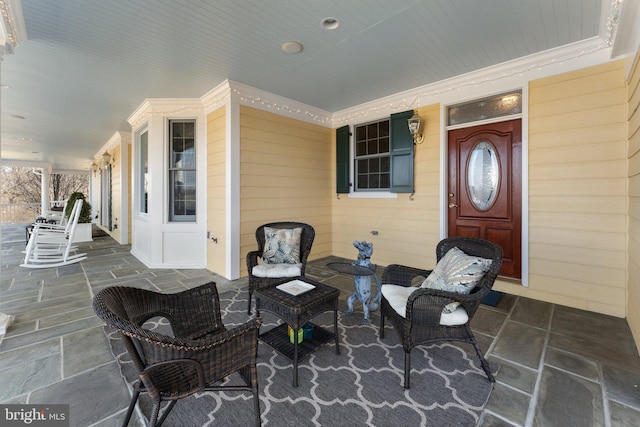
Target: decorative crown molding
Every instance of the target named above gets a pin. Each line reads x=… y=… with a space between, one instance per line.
x=494 y=79
x=12 y=27
x=263 y=100
x=118 y=138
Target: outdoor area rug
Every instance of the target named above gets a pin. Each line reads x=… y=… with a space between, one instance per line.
x=362 y=386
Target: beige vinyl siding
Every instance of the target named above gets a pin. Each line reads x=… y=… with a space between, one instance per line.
x=633 y=273
x=216 y=191
x=577 y=190
x=408 y=230
x=285 y=170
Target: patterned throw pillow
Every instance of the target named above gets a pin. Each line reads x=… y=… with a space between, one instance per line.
x=281 y=246
x=457 y=272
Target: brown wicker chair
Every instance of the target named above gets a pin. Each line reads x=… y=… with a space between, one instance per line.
x=421 y=324
x=306 y=241
x=202 y=352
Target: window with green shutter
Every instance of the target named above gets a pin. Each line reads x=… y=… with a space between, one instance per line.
x=402 y=150
x=342 y=159
x=382 y=156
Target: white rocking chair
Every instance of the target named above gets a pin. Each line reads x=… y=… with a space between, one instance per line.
x=51 y=245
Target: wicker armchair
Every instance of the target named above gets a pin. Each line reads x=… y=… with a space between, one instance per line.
x=306 y=241
x=201 y=353
x=422 y=321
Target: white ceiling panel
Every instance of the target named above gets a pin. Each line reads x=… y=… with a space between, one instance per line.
x=87 y=64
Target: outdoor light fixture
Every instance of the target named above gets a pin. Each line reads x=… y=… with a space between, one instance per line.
x=414 y=128
x=94 y=167
x=106 y=158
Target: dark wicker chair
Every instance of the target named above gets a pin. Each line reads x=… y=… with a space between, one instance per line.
x=202 y=352
x=306 y=241
x=424 y=306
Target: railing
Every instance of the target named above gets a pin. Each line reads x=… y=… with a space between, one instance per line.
x=19 y=213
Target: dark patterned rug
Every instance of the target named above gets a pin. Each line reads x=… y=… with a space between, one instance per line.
x=360 y=387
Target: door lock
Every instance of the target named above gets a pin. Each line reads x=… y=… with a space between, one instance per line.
x=453 y=205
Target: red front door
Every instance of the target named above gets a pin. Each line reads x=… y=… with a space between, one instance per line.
x=484 y=187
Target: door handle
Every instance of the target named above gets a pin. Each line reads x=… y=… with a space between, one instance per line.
x=452 y=205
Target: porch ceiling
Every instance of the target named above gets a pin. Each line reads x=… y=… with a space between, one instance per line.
x=86 y=65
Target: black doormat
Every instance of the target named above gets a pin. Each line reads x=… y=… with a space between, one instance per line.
x=493 y=298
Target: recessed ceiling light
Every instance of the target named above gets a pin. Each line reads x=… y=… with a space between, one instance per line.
x=5 y=87
x=330 y=23
x=292 y=47
x=15 y=116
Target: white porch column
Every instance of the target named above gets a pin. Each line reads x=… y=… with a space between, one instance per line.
x=45 y=179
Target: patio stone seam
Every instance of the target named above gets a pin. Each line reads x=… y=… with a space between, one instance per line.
x=109 y=417
x=533 y=404
x=495 y=340
x=60 y=338
x=515 y=363
x=591 y=380
x=87 y=281
x=605 y=400
x=498 y=416
x=515 y=389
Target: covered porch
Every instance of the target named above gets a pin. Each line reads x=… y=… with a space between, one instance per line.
x=558 y=366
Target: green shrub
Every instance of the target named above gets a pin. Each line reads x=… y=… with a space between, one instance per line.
x=85 y=212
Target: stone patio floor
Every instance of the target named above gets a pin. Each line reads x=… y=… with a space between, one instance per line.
x=558 y=366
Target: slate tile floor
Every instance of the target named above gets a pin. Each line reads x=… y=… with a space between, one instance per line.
x=558 y=366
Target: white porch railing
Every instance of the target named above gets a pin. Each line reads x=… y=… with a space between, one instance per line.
x=19 y=213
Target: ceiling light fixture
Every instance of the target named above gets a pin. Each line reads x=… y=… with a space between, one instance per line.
x=106 y=158
x=329 y=23
x=292 y=47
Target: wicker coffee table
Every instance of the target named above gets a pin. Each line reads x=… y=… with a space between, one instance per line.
x=295 y=311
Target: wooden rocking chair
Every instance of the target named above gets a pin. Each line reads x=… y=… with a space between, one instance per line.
x=51 y=246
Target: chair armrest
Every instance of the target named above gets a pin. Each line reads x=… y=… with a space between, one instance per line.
x=401 y=274
x=251 y=328
x=48 y=228
x=252 y=260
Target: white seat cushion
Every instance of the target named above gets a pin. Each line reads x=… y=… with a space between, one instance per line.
x=397 y=297
x=277 y=270
x=458 y=317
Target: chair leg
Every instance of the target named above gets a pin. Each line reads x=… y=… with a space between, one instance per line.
x=483 y=362
x=256 y=396
x=154 y=413
x=249 y=303
x=165 y=413
x=132 y=405
x=381 y=325
x=407 y=368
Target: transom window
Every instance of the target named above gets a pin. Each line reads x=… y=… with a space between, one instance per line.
x=372 y=164
x=182 y=170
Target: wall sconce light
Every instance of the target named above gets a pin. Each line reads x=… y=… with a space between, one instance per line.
x=94 y=168
x=106 y=158
x=414 y=128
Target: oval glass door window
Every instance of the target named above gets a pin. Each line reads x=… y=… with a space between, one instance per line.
x=483 y=176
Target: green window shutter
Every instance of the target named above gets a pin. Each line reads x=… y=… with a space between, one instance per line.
x=342 y=159
x=401 y=151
